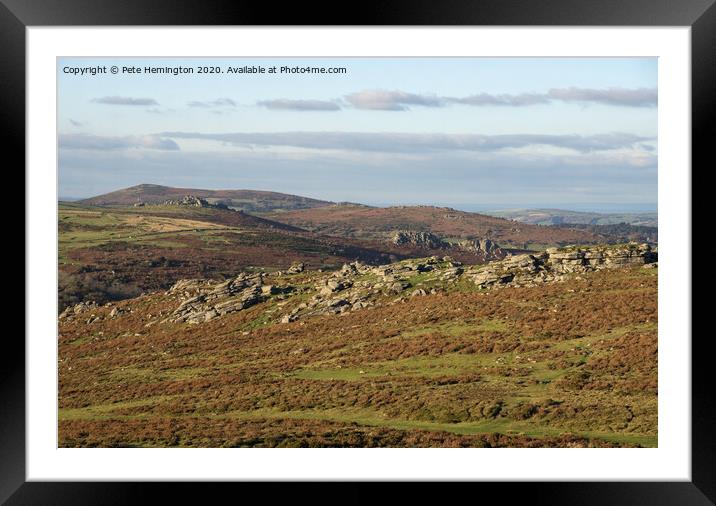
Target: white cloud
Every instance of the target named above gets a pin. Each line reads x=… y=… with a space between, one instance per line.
x=396 y=100
x=449 y=177
x=416 y=143
x=219 y=102
x=116 y=100
x=386 y=100
x=485 y=99
x=98 y=143
x=639 y=97
x=299 y=105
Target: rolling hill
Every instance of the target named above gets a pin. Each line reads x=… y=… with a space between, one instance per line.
x=381 y=223
x=245 y=200
x=147 y=237
x=561 y=216
x=111 y=253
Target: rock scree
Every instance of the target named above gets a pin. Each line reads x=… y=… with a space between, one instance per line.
x=301 y=294
x=192 y=201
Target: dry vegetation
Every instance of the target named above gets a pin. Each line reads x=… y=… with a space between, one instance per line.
x=372 y=222
x=247 y=200
x=110 y=254
x=570 y=363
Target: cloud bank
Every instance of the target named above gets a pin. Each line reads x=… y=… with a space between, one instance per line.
x=396 y=100
x=219 y=102
x=385 y=100
x=418 y=143
x=639 y=97
x=299 y=105
x=452 y=178
x=99 y=143
x=486 y=99
x=116 y=100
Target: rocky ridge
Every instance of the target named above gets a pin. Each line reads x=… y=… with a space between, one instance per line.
x=554 y=263
x=489 y=249
x=79 y=310
x=203 y=301
x=421 y=239
x=485 y=246
x=301 y=294
x=192 y=201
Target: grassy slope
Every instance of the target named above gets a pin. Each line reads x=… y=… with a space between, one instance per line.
x=110 y=253
x=510 y=367
x=83 y=226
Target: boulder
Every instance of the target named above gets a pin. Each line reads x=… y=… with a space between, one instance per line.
x=78 y=309
x=296 y=268
x=189 y=201
x=554 y=263
x=419 y=239
x=485 y=246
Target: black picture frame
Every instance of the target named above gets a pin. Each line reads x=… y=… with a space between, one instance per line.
x=16 y=15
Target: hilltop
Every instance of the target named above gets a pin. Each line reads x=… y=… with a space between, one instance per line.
x=246 y=200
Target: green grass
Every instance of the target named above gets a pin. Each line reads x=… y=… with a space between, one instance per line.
x=93 y=227
x=460 y=328
x=587 y=341
x=503 y=426
x=104 y=411
x=534 y=246
x=450 y=364
x=361 y=417
x=152 y=375
x=264 y=318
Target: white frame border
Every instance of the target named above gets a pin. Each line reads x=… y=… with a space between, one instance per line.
x=670 y=461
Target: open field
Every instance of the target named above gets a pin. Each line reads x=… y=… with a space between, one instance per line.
x=570 y=363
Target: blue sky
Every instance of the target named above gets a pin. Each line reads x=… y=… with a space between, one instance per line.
x=473 y=133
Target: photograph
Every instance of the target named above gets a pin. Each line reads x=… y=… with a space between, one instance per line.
x=357 y=252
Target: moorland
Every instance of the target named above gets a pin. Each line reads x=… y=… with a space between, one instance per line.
x=237 y=318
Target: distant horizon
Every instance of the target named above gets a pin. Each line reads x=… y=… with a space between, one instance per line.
x=596 y=207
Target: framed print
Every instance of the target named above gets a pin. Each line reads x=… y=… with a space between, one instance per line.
x=420 y=247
